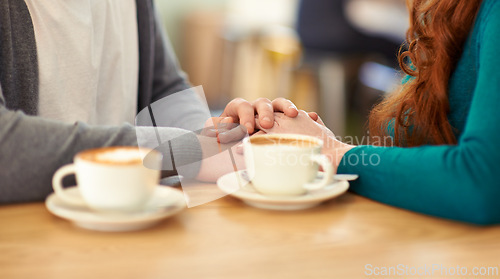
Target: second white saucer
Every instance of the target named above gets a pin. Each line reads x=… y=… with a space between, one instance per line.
x=237 y=186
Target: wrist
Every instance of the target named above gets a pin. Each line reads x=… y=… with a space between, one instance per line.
x=335 y=150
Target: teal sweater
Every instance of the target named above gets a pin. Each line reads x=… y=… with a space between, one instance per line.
x=460 y=182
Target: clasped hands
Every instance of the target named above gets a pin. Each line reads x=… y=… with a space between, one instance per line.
x=241 y=118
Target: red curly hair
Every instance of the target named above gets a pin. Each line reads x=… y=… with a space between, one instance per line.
x=419 y=110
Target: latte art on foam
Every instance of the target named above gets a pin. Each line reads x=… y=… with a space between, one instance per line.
x=114 y=155
x=119 y=156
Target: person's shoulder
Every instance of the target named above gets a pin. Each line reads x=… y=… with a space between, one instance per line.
x=488 y=19
x=490 y=9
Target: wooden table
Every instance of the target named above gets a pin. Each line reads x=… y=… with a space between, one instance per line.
x=347 y=237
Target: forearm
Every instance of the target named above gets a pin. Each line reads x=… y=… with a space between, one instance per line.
x=33 y=149
x=435 y=180
x=218 y=159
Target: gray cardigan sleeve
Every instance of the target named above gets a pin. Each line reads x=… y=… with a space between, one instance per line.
x=33 y=148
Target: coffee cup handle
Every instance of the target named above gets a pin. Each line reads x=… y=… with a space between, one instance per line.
x=327 y=166
x=58 y=188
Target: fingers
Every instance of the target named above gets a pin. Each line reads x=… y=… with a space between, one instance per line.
x=235 y=134
x=215 y=125
x=242 y=110
x=286 y=106
x=303 y=113
x=209 y=129
x=226 y=131
x=226 y=120
x=265 y=112
x=314 y=116
x=260 y=128
x=320 y=121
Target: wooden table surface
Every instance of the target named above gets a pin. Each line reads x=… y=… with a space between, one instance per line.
x=348 y=237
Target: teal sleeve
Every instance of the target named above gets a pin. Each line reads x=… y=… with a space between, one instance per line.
x=459 y=182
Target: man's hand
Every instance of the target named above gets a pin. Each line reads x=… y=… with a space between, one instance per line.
x=243 y=112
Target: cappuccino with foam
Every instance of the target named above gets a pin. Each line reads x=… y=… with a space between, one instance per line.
x=112 y=178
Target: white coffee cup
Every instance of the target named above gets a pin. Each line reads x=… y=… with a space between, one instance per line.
x=286 y=164
x=112 y=179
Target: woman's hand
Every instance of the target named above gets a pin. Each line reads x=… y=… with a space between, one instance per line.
x=305 y=124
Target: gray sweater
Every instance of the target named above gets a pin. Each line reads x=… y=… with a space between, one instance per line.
x=33 y=148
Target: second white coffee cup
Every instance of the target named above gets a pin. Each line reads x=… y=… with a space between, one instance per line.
x=286 y=164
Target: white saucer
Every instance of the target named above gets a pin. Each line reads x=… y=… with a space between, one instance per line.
x=166 y=202
x=238 y=186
